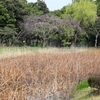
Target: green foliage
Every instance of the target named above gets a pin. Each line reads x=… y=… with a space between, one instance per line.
x=5 y=19
x=86 y=11
x=34 y=9
x=66 y=35
x=7 y=35
x=81 y=0
x=83 y=84
x=38 y=8
x=82 y=39
x=16 y=8
x=93 y=32
x=12 y=13
x=43 y=7
x=57 y=13
x=83 y=11
x=66 y=11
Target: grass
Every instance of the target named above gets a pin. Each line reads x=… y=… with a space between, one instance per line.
x=83 y=85
x=17 y=51
x=6 y=52
x=84 y=92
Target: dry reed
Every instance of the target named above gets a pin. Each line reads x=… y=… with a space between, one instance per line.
x=46 y=76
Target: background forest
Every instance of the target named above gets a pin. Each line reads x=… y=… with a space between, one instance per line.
x=32 y=24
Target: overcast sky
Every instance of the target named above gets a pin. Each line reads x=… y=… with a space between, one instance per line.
x=55 y=4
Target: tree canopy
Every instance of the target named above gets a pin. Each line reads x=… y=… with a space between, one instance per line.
x=38 y=8
x=24 y=23
x=83 y=11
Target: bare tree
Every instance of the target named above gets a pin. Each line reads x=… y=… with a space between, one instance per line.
x=44 y=27
x=97 y=30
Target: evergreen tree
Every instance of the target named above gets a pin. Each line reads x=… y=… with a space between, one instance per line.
x=38 y=8
x=43 y=7
x=5 y=19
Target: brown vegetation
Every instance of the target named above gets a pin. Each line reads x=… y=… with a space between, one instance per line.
x=46 y=76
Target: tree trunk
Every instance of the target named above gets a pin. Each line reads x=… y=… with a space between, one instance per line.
x=96 y=40
x=44 y=43
x=74 y=40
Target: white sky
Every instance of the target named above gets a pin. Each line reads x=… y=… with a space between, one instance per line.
x=54 y=4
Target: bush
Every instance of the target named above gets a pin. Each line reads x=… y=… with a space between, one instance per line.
x=94 y=81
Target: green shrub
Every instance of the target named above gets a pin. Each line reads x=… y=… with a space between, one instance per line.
x=83 y=84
